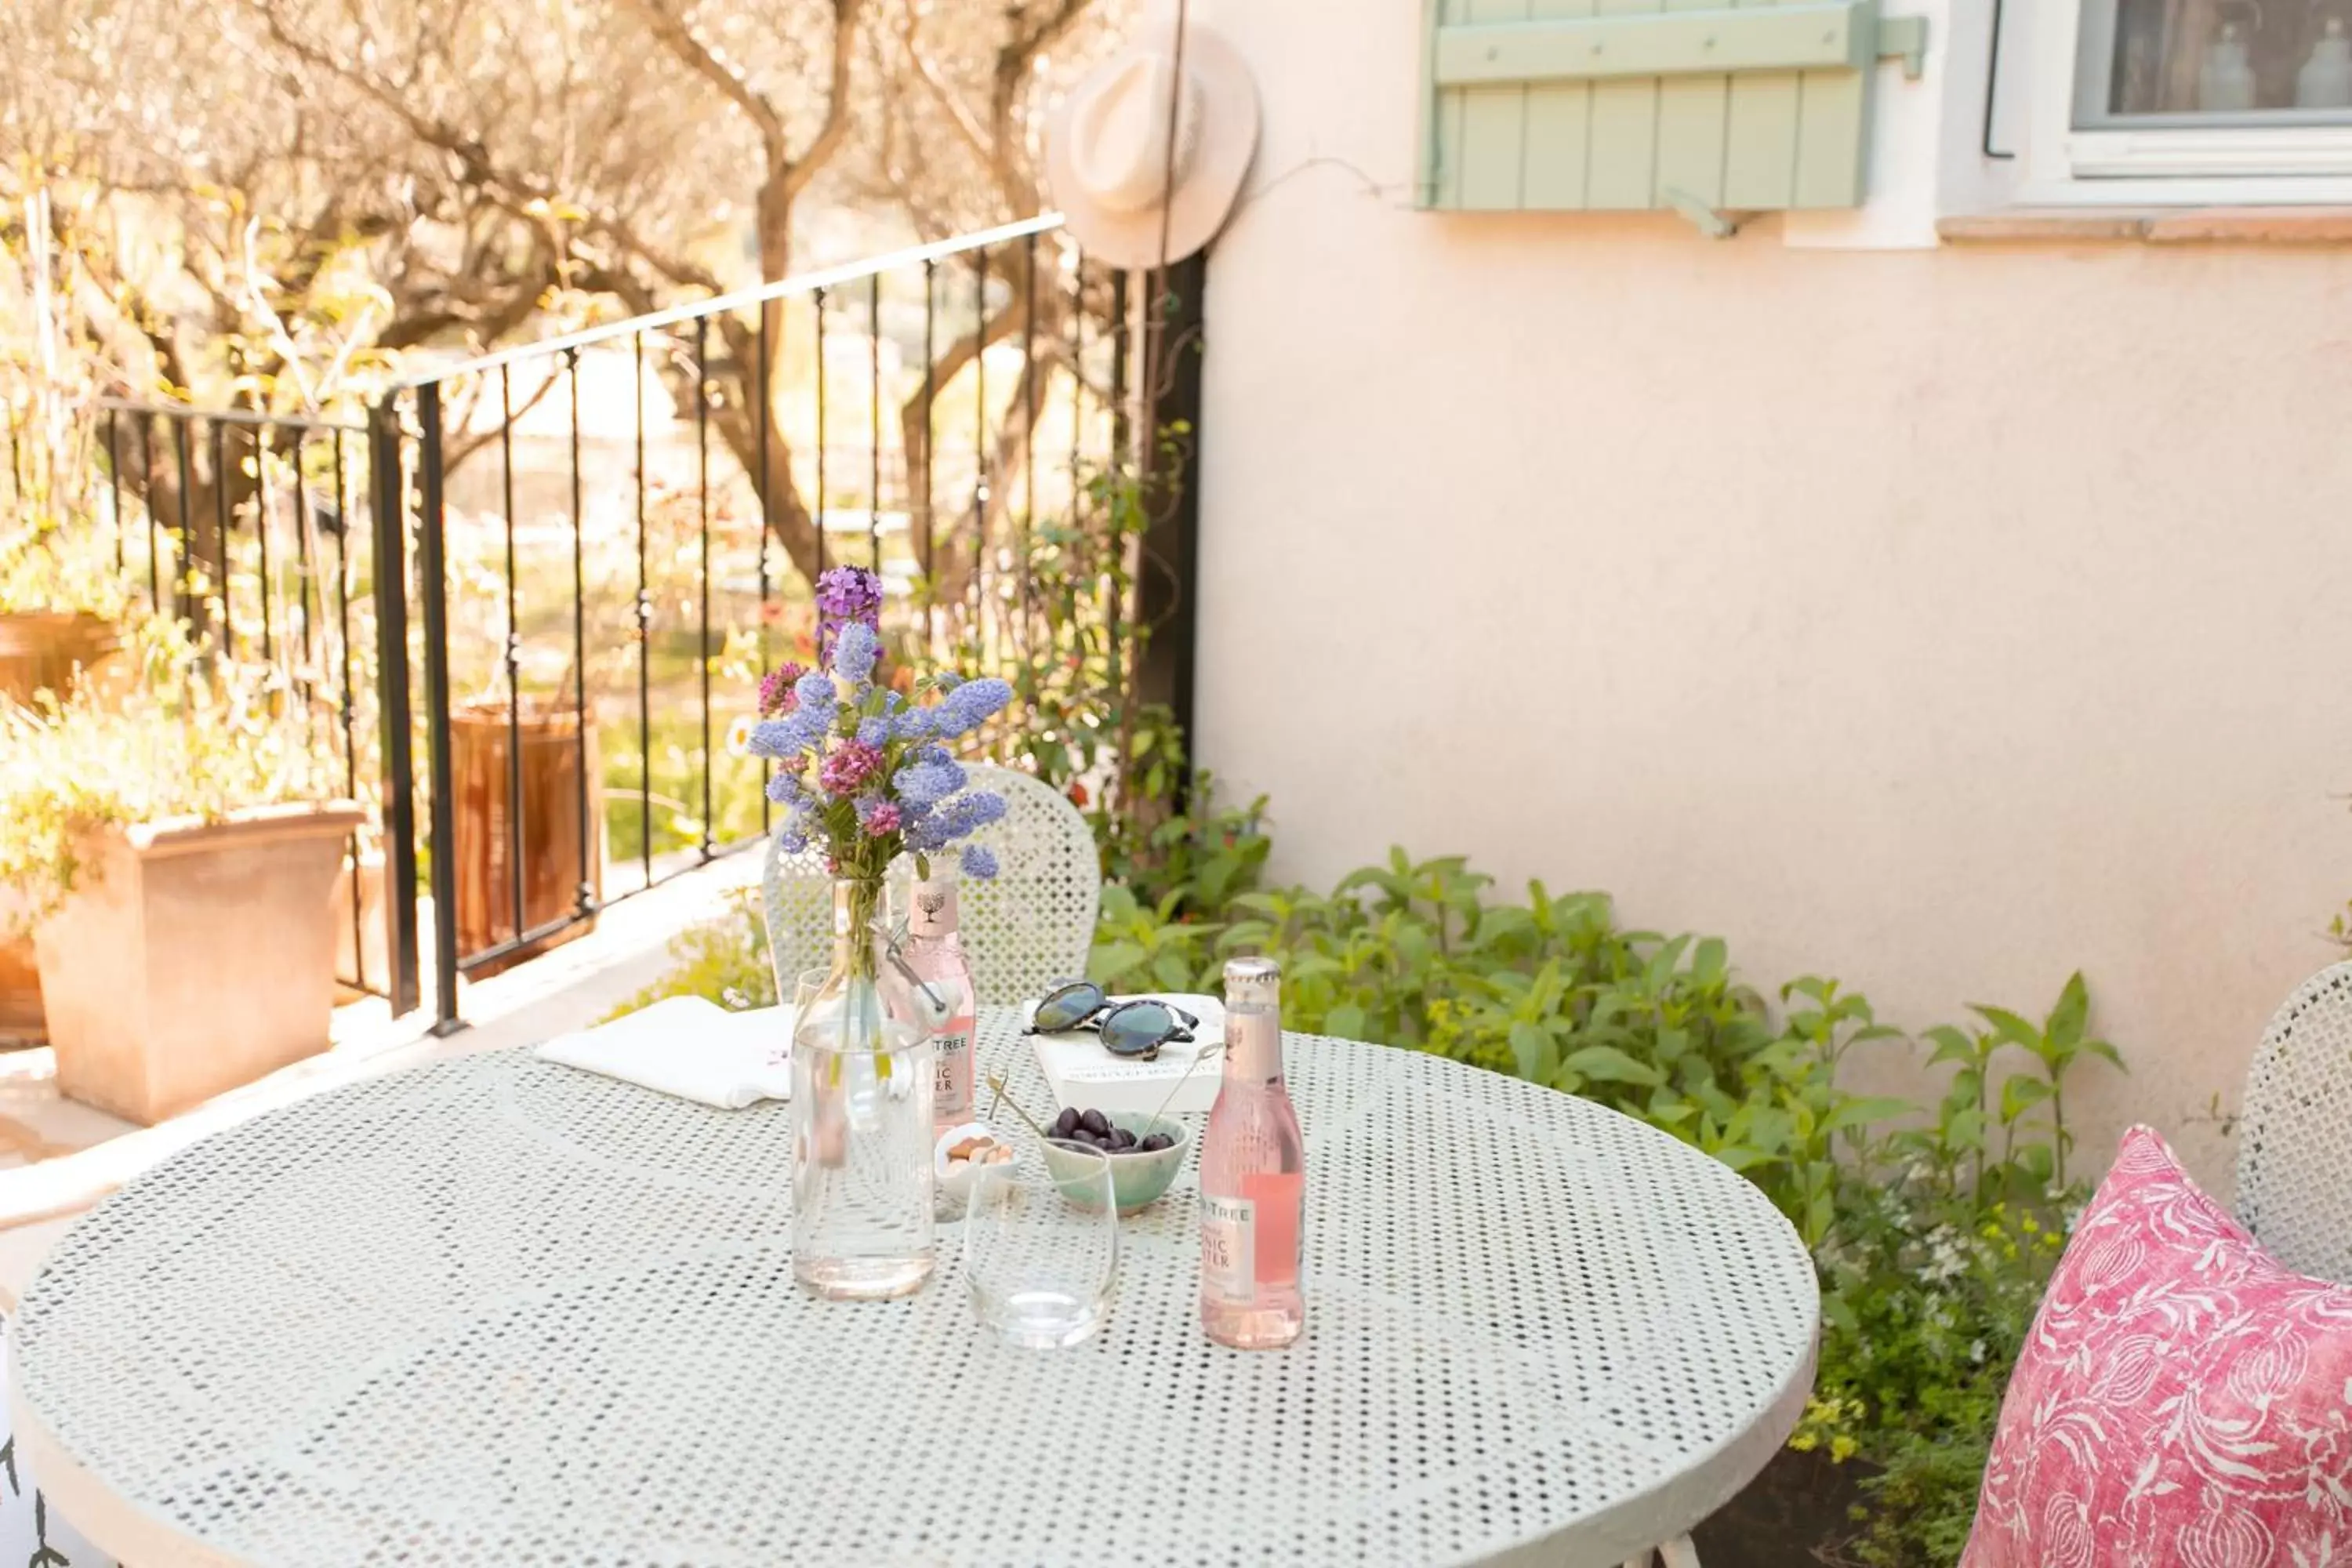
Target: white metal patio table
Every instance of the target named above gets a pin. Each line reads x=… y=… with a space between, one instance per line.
x=497 y=1312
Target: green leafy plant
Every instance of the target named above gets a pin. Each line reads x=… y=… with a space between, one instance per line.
x=724 y=960
x=195 y=735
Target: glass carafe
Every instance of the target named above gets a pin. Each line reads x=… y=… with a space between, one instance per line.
x=861 y=1113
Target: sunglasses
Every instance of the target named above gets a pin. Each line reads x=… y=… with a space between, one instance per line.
x=1133 y=1030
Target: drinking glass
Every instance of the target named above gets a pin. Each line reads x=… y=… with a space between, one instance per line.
x=1041 y=1247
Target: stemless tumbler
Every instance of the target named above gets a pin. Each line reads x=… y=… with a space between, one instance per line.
x=1041 y=1248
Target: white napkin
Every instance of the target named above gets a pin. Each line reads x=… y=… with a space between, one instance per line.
x=691 y=1048
x=1082 y=1073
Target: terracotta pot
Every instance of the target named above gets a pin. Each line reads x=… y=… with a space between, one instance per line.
x=20 y=983
x=552 y=872
x=198 y=957
x=41 y=649
x=360 y=955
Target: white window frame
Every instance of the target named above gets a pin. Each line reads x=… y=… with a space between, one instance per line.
x=2184 y=166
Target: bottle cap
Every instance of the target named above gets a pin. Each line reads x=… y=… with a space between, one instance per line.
x=931 y=909
x=1252 y=983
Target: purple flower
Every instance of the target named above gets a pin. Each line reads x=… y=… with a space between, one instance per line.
x=879 y=818
x=978 y=862
x=913 y=724
x=776 y=695
x=850 y=594
x=874 y=731
x=851 y=763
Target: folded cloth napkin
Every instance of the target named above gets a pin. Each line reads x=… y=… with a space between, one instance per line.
x=691 y=1048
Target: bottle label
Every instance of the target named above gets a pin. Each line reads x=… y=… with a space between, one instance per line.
x=951 y=1075
x=1228 y=1247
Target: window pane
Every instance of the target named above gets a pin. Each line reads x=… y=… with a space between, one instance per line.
x=2203 y=62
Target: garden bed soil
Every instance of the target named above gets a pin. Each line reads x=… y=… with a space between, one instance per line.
x=1796 y=1514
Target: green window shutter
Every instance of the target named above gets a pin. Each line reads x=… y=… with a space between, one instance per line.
x=1624 y=105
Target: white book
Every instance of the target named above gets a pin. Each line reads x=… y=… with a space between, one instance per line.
x=1082 y=1073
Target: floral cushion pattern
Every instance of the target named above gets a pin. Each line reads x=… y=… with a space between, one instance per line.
x=30 y=1535
x=2184 y=1401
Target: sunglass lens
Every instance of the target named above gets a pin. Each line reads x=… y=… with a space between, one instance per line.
x=1137 y=1031
x=1070 y=1006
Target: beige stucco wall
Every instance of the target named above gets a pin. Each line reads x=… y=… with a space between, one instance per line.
x=1941 y=620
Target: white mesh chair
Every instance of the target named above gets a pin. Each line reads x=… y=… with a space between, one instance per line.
x=1023 y=930
x=2295 y=1137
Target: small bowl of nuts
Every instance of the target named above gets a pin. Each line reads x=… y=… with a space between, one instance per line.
x=960 y=1150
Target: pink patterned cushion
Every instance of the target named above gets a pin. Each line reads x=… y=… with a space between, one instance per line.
x=2183 y=1399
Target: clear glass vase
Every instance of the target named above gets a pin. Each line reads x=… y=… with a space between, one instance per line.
x=861 y=1114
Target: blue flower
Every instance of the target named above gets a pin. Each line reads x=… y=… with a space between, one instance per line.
x=913 y=724
x=814 y=689
x=978 y=862
x=959 y=817
x=928 y=783
x=874 y=731
x=971 y=705
x=785 y=789
x=794 y=736
x=855 y=649
x=792 y=840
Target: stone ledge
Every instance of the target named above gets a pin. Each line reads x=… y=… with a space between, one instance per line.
x=2154 y=226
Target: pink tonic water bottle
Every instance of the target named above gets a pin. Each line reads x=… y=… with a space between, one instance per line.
x=1253 y=1176
x=935 y=953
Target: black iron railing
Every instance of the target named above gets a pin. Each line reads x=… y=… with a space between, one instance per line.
x=618 y=530
x=256 y=529
x=533 y=592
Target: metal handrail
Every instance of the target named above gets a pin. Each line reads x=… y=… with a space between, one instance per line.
x=225 y=416
x=805 y=283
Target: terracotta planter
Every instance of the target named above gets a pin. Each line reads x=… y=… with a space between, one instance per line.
x=20 y=983
x=552 y=872
x=199 y=957
x=41 y=649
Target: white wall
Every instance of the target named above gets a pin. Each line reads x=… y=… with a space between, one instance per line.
x=1942 y=620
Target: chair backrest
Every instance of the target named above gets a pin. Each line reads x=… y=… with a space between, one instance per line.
x=1023 y=930
x=2295 y=1150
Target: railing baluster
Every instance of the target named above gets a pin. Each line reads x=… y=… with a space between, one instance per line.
x=584 y=895
x=301 y=606
x=115 y=479
x=702 y=492
x=221 y=521
x=767 y=415
x=980 y=454
x=185 y=557
x=515 y=837
x=817 y=513
x=146 y=431
x=433 y=568
x=388 y=477
x=930 y=392
x=262 y=537
x=873 y=418
x=341 y=503
x=1028 y=437
x=645 y=637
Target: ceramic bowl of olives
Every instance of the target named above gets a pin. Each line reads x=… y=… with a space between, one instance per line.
x=1145 y=1152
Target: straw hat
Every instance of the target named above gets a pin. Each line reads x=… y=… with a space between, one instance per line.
x=1108 y=156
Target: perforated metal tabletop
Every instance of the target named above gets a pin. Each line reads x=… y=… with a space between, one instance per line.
x=497 y=1312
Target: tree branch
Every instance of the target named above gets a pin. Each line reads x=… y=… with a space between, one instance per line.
x=674 y=35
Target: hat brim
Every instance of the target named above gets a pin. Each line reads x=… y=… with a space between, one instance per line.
x=1205 y=190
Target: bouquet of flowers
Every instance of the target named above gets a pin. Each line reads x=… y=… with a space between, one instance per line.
x=863 y=770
